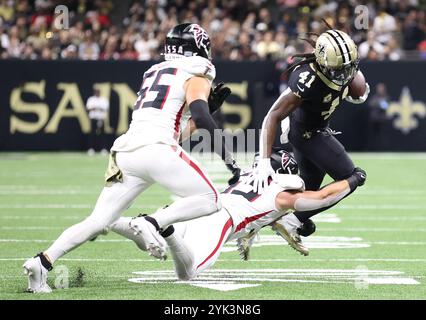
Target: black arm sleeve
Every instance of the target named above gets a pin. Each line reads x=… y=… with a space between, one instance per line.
x=203 y=120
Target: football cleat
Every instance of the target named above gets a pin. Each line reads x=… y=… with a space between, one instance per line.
x=287 y=229
x=244 y=244
x=154 y=243
x=37 y=276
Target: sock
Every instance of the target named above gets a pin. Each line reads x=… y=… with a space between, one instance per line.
x=44 y=261
x=183 y=257
x=292 y=221
x=154 y=222
x=168 y=232
x=301 y=216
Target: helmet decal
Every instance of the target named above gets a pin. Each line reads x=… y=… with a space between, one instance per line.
x=200 y=35
x=187 y=40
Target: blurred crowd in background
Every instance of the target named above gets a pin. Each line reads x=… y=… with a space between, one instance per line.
x=239 y=29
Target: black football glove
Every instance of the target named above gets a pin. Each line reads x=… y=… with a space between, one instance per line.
x=218 y=96
x=235 y=170
x=359 y=176
x=307 y=228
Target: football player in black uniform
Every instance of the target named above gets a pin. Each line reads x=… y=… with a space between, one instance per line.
x=318 y=83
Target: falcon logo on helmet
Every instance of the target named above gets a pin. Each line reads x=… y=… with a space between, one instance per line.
x=187 y=40
x=201 y=37
x=281 y=161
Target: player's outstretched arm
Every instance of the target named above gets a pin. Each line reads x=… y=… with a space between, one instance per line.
x=197 y=94
x=217 y=97
x=284 y=105
x=325 y=197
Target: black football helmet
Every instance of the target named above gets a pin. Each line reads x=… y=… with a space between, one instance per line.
x=187 y=39
x=281 y=161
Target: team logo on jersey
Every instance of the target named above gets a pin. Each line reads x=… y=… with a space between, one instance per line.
x=405 y=111
x=327 y=98
x=200 y=35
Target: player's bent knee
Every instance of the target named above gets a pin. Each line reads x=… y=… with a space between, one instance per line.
x=212 y=200
x=97 y=226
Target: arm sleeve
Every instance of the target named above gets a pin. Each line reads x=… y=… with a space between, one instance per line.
x=203 y=120
x=305 y=204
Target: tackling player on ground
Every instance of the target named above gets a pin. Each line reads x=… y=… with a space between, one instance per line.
x=196 y=245
x=317 y=85
x=149 y=153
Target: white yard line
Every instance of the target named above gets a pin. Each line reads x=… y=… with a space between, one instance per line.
x=380 y=207
x=407 y=207
x=50 y=241
x=414 y=229
x=323 y=217
x=231 y=245
x=414 y=260
x=370 y=218
x=93 y=260
x=65 y=206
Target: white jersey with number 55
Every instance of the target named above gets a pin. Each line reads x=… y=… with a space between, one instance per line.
x=161 y=108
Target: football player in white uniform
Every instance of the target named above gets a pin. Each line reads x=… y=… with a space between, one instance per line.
x=149 y=153
x=195 y=245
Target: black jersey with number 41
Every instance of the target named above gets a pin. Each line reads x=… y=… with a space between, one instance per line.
x=320 y=96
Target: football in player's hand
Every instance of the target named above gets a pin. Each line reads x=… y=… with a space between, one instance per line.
x=357 y=86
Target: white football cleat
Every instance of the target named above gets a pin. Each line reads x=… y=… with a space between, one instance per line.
x=286 y=227
x=37 y=276
x=154 y=243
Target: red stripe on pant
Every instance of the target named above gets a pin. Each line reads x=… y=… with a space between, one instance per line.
x=227 y=225
x=196 y=168
x=246 y=221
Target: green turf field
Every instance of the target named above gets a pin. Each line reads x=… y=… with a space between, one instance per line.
x=371 y=246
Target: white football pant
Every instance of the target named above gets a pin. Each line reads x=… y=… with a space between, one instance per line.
x=195 y=245
x=169 y=166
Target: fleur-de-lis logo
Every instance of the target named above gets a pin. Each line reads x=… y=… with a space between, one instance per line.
x=321 y=50
x=405 y=111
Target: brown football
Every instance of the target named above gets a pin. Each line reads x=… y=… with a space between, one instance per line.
x=357 y=86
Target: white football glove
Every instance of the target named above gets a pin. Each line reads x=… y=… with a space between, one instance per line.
x=285 y=129
x=360 y=99
x=261 y=174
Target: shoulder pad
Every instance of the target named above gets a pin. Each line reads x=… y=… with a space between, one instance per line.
x=198 y=66
x=156 y=66
x=301 y=81
x=289 y=182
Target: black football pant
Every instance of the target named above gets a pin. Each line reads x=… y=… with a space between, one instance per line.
x=318 y=153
